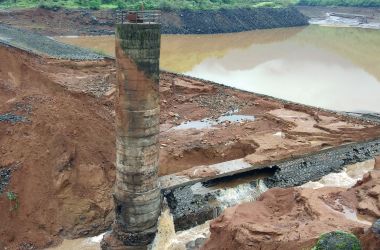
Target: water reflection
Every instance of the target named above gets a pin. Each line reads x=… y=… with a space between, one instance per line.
x=334 y=68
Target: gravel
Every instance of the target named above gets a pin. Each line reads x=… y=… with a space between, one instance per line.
x=5 y=176
x=43 y=45
x=12 y=118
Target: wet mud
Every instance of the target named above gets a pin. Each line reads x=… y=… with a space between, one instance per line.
x=294 y=218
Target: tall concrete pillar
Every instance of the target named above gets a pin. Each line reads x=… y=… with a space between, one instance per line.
x=137 y=195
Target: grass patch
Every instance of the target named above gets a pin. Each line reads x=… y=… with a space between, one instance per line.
x=13 y=198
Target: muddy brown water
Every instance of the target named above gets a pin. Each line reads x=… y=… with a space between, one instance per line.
x=329 y=67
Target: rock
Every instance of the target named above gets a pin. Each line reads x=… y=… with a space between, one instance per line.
x=173 y=114
x=371 y=239
x=369 y=208
x=377 y=162
x=376 y=228
x=374 y=192
x=338 y=240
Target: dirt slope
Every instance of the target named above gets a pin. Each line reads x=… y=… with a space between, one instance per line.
x=294 y=218
x=53 y=154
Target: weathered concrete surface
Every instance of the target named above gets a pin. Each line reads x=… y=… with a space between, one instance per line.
x=137 y=193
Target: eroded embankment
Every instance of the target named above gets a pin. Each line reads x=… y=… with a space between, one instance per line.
x=294 y=218
x=57 y=139
x=87 y=22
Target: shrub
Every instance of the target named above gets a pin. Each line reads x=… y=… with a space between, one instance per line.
x=49 y=5
x=121 y=5
x=338 y=240
x=94 y=4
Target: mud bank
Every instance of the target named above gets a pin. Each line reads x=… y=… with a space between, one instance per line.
x=87 y=22
x=57 y=140
x=294 y=218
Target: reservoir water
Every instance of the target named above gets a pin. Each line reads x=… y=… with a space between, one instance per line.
x=330 y=67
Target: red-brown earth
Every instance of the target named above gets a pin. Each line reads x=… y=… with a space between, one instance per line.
x=294 y=218
x=60 y=146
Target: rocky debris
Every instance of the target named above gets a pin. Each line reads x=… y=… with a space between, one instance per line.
x=337 y=240
x=294 y=218
x=222 y=102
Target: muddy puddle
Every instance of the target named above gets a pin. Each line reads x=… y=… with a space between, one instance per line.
x=91 y=243
x=209 y=123
x=318 y=66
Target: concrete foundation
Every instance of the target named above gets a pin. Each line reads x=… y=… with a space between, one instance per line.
x=137 y=194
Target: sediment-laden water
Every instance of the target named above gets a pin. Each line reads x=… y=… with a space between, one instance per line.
x=328 y=67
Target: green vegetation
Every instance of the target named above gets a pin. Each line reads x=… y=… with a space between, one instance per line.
x=13 y=198
x=351 y=3
x=148 y=4
x=337 y=240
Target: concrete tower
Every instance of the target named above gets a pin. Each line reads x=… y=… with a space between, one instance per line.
x=137 y=194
